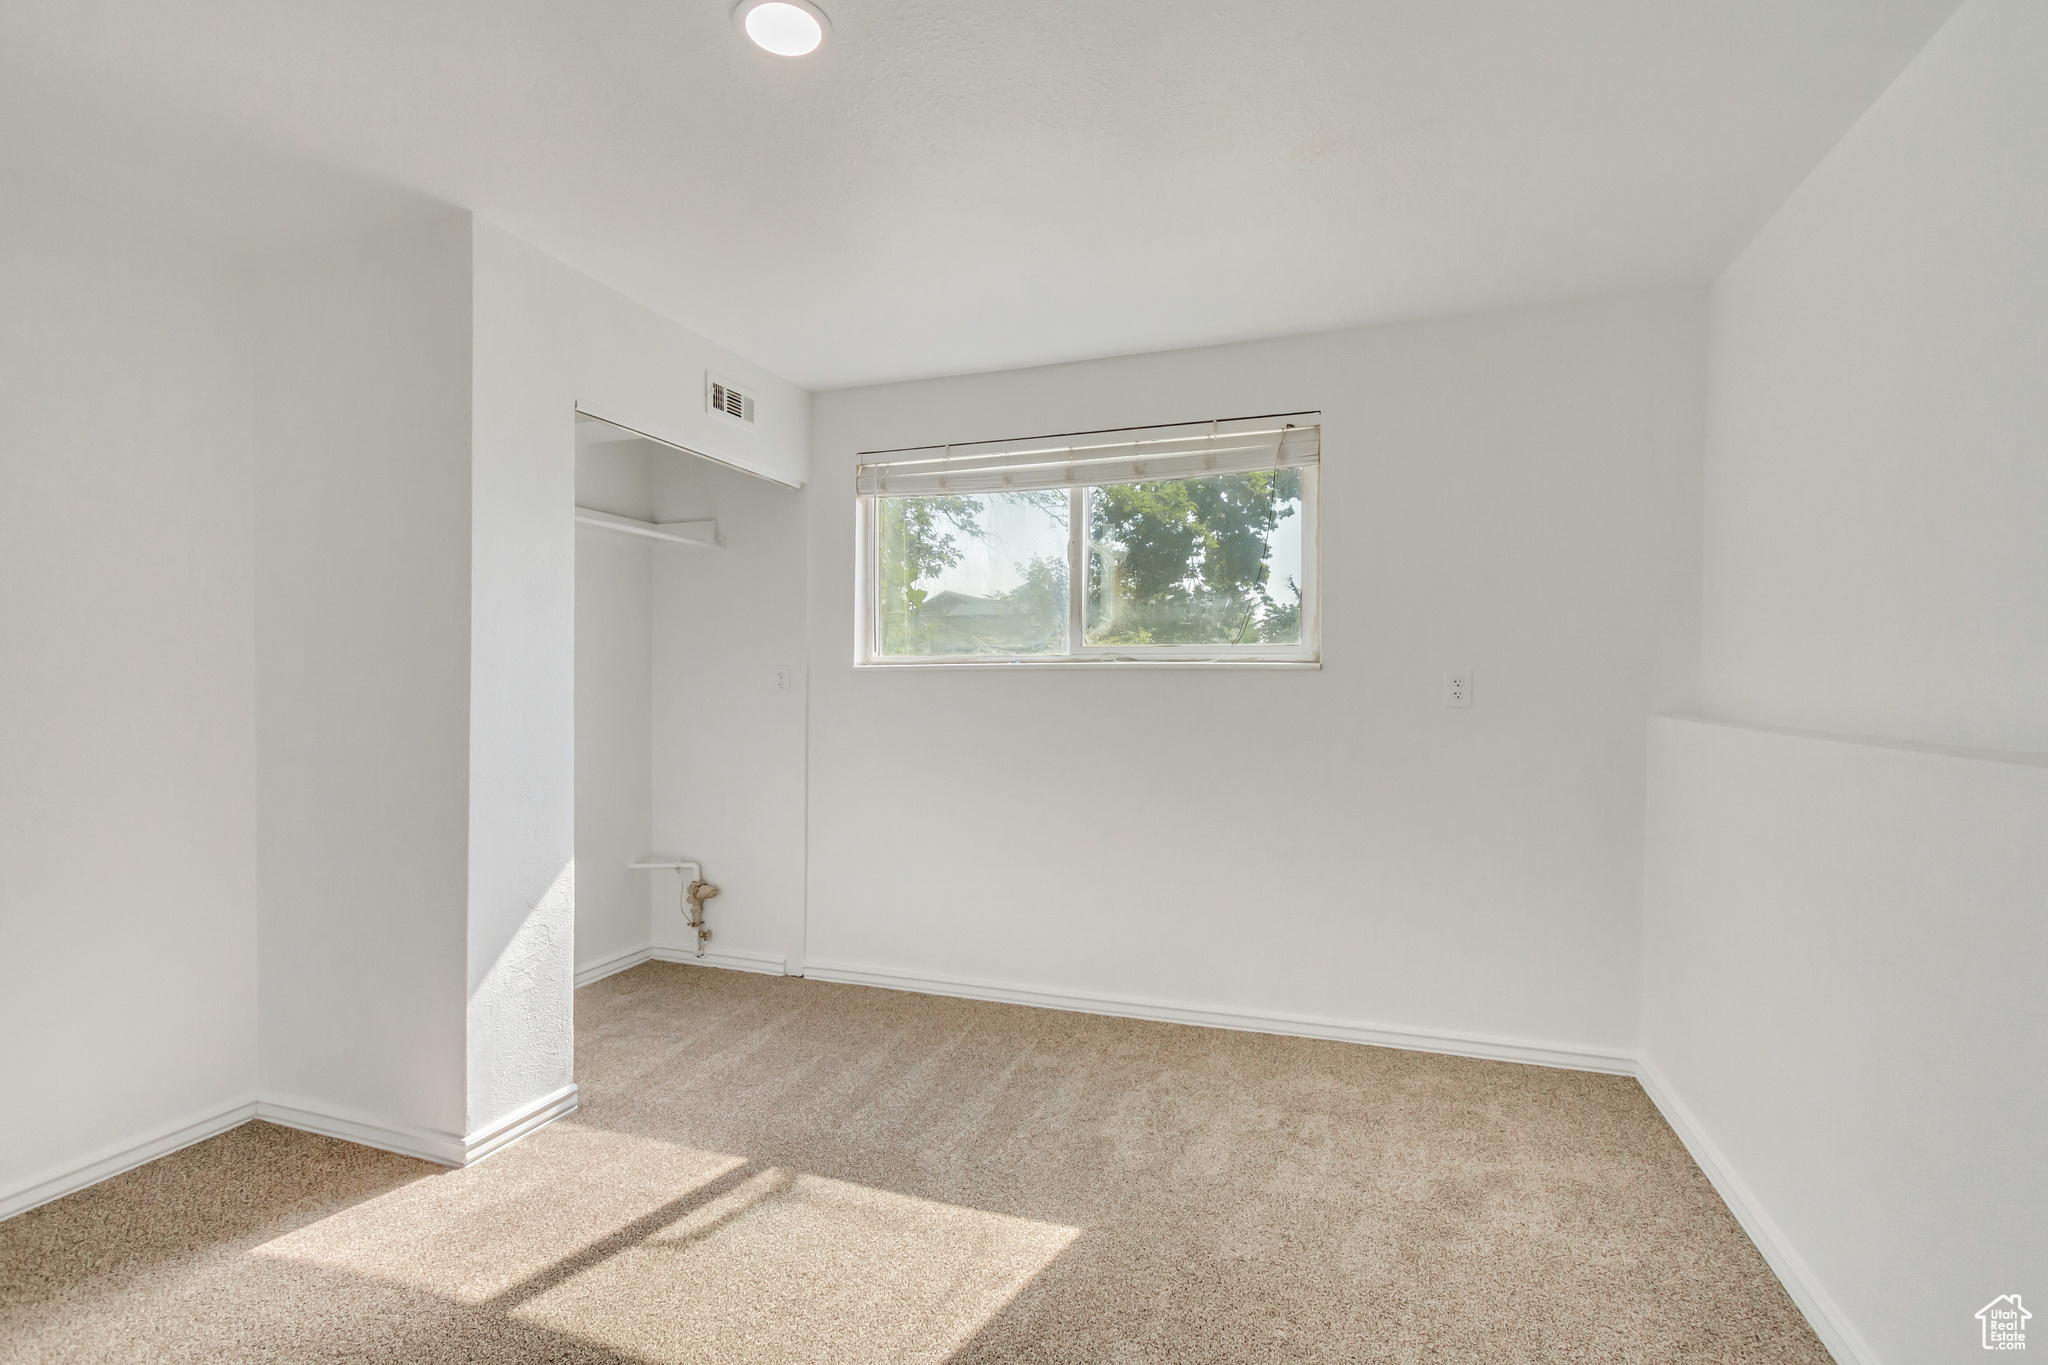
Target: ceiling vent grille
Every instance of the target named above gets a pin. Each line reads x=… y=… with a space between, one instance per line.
x=727 y=401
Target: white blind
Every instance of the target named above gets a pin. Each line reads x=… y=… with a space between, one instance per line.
x=1133 y=455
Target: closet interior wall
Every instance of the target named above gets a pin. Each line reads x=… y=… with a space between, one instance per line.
x=689 y=709
x=614 y=585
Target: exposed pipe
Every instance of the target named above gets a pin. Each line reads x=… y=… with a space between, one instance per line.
x=694 y=896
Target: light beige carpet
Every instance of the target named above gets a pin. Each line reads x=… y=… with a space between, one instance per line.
x=777 y=1170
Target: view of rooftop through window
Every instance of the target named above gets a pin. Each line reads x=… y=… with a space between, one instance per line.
x=974 y=575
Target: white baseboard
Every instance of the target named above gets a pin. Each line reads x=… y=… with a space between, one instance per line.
x=309 y=1116
x=611 y=966
x=112 y=1161
x=737 y=962
x=445 y=1149
x=518 y=1124
x=428 y=1144
x=1821 y=1312
x=1292 y=1025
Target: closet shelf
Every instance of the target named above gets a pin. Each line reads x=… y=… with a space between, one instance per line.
x=704 y=533
x=659 y=862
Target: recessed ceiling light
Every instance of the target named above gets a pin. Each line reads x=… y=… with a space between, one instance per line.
x=787 y=28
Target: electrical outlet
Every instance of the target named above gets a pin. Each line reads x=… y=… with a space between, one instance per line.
x=782 y=680
x=1458 y=687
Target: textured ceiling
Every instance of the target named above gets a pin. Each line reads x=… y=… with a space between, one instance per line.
x=956 y=187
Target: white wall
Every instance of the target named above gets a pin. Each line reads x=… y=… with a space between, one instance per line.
x=522 y=697
x=290 y=741
x=416 y=636
x=682 y=743
x=1876 y=488
x=728 y=748
x=630 y=365
x=127 y=732
x=1515 y=493
x=1843 y=954
x=614 y=677
x=551 y=341
x=363 y=494
x=1833 y=980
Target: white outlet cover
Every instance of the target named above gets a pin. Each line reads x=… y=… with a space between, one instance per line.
x=1458 y=687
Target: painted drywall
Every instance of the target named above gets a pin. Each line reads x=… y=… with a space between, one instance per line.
x=362 y=545
x=522 y=716
x=127 y=735
x=548 y=343
x=614 y=678
x=296 y=572
x=728 y=747
x=1842 y=958
x=417 y=632
x=630 y=365
x=1834 y=981
x=1515 y=493
x=1876 y=489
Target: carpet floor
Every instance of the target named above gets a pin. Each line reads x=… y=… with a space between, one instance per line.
x=776 y=1170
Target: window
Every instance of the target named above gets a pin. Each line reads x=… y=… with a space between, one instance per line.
x=1192 y=543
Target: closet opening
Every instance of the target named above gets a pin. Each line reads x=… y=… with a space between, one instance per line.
x=689 y=709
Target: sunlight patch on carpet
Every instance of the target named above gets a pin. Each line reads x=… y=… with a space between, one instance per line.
x=488 y=1231
x=793 y=1267
x=665 y=1253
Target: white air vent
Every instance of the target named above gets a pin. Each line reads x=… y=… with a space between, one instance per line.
x=727 y=401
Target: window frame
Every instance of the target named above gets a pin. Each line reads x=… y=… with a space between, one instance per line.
x=1307 y=654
